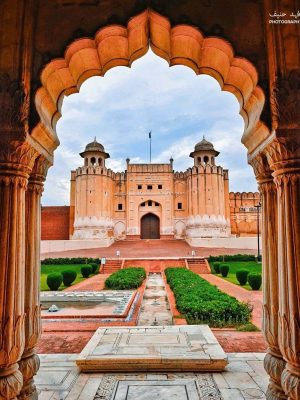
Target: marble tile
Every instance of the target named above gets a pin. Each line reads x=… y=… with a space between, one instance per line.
x=159 y=390
x=168 y=349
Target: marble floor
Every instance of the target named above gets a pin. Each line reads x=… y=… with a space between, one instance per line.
x=60 y=379
x=153 y=348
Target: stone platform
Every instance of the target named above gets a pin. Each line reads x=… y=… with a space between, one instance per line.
x=243 y=379
x=153 y=348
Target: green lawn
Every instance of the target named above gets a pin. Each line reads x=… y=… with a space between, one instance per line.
x=252 y=266
x=47 y=269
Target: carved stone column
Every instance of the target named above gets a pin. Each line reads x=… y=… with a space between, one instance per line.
x=273 y=362
x=30 y=363
x=284 y=153
x=16 y=161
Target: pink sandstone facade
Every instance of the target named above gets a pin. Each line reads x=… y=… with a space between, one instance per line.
x=152 y=201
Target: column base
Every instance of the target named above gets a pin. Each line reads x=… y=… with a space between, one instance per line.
x=290 y=380
x=11 y=382
x=29 y=365
x=274 y=366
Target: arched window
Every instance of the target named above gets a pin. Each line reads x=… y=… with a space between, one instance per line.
x=86 y=162
x=206 y=159
x=100 y=161
x=93 y=160
x=199 y=160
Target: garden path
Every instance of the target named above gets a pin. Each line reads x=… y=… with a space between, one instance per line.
x=155 y=309
x=96 y=282
x=253 y=297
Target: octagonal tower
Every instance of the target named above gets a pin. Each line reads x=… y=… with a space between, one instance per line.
x=207 y=195
x=94 y=189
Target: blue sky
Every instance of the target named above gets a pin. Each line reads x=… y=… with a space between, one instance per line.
x=120 y=109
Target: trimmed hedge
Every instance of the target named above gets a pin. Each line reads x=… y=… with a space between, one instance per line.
x=233 y=257
x=128 y=278
x=254 y=280
x=224 y=269
x=74 y=260
x=86 y=271
x=95 y=267
x=242 y=276
x=69 y=277
x=200 y=302
x=216 y=266
x=54 y=280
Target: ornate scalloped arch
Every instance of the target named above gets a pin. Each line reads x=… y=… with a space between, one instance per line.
x=117 y=45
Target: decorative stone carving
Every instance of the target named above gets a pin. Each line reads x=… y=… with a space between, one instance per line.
x=285 y=100
x=29 y=367
x=16 y=161
x=11 y=384
x=274 y=367
x=273 y=363
x=14 y=105
x=288 y=186
x=284 y=157
x=17 y=158
x=29 y=363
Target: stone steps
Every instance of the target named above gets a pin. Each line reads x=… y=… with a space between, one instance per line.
x=111 y=266
x=198 y=265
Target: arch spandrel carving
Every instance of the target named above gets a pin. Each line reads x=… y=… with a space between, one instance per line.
x=116 y=45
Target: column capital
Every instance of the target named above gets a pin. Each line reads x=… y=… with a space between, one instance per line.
x=283 y=154
x=261 y=167
x=38 y=174
x=16 y=159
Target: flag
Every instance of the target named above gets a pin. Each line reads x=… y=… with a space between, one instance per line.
x=150 y=135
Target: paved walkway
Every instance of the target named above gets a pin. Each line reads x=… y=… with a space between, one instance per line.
x=155 y=308
x=147 y=248
x=254 y=297
x=244 y=378
x=96 y=282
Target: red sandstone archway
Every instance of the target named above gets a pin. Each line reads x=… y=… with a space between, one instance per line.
x=117 y=45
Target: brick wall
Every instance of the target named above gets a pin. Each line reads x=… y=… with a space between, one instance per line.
x=243 y=214
x=55 y=223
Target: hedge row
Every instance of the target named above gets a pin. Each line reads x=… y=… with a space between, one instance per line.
x=233 y=257
x=202 y=303
x=128 y=278
x=68 y=261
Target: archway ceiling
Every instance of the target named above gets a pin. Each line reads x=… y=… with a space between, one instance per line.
x=116 y=45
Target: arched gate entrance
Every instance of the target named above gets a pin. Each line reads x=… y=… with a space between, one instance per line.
x=150 y=227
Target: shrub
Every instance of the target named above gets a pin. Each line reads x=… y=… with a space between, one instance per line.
x=86 y=271
x=54 y=280
x=249 y=327
x=216 y=266
x=68 y=261
x=232 y=257
x=200 y=302
x=69 y=277
x=242 y=276
x=95 y=267
x=224 y=269
x=254 y=280
x=128 y=278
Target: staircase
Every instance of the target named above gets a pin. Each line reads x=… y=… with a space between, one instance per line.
x=198 y=265
x=111 y=266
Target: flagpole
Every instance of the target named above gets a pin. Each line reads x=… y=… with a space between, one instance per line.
x=150 y=137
